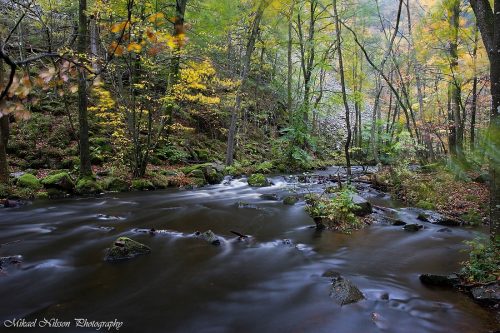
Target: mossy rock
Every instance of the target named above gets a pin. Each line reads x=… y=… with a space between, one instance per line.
x=125 y=248
x=187 y=170
x=197 y=182
x=197 y=173
x=258 y=180
x=60 y=181
x=114 y=184
x=160 y=181
x=212 y=175
x=88 y=185
x=142 y=185
x=291 y=200
x=29 y=181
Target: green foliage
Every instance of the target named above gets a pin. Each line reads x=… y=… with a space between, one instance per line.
x=426 y=205
x=264 y=167
x=338 y=212
x=172 y=154
x=483 y=265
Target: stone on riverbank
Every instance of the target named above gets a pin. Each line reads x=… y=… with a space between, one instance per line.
x=291 y=200
x=59 y=181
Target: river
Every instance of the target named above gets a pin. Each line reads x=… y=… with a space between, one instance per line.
x=261 y=285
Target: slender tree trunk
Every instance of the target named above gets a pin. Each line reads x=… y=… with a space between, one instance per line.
x=344 y=94
x=85 y=166
x=474 y=92
x=4 y=137
x=290 y=64
x=244 y=77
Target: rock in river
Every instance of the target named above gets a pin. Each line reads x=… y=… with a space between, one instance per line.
x=209 y=236
x=344 y=291
x=125 y=248
x=440 y=280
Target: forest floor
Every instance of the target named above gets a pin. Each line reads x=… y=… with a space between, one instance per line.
x=436 y=188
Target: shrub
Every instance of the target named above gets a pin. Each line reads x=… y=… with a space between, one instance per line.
x=483 y=265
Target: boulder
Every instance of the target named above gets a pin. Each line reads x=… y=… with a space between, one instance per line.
x=440 y=219
x=291 y=200
x=59 y=181
x=125 y=248
x=365 y=207
x=88 y=185
x=258 y=180
x=115 y=184
x=212 y=176
x=344 y=291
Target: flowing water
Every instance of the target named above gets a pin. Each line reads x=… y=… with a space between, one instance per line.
x=263 y=284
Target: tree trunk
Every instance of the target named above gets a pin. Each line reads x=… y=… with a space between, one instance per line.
x=488 y=21
x=344 y=94
x=85 y=166
x=455 y=126
x=244 y=77
x=290 y=64
x=474 y=93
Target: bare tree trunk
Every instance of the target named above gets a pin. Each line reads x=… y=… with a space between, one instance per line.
x=290 y=64
x=474 y=92
x=244 y=77
x=344 y=94
x=85 y=166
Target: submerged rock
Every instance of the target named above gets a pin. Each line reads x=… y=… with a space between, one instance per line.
x=413 y=227
x=125 y=248
x=269 y=196
x=5 y=262
x=344 y=291
x=440 y=280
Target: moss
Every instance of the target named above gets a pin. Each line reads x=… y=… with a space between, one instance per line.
x=88 y=185
x=114 y=184
x=197 y=173
x=142 y=185
x=188 y=169
x=472 y=217
x=42 y=195
x=258 y=180
x=4 y=191
x=159 y=180
x=29 y=181
x=125 y=248
x=59 y=180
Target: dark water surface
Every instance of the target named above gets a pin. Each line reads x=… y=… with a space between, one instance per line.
x=262 y=285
